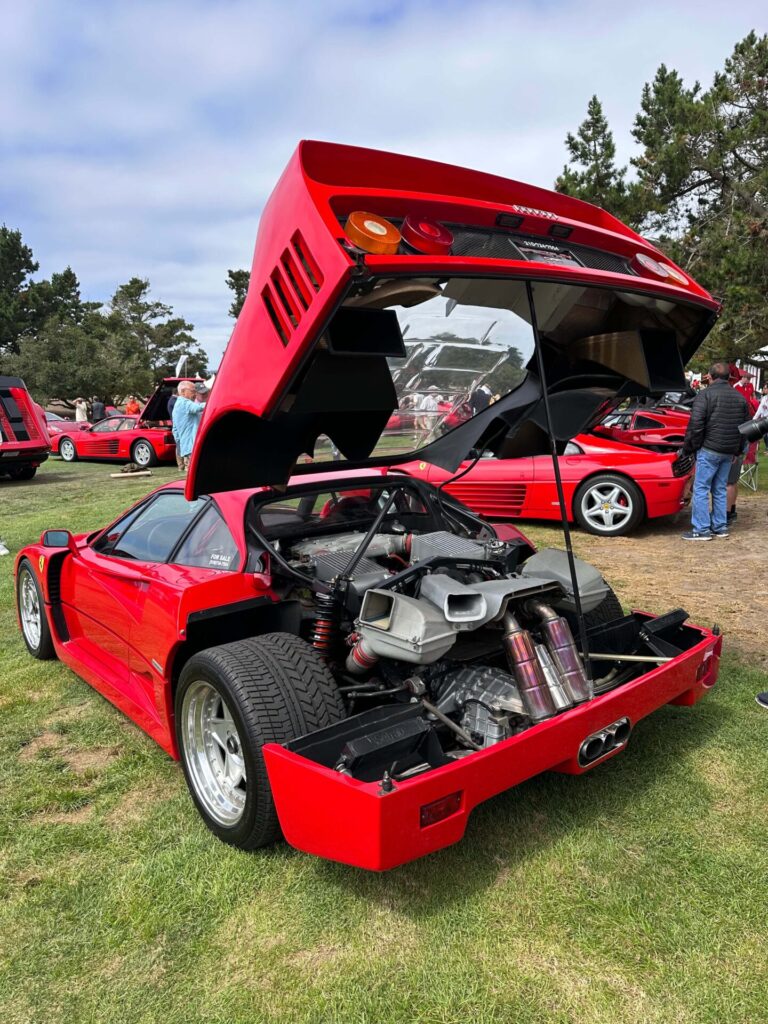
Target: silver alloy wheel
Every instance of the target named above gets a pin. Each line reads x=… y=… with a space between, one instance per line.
x=142 y=453
x=67 y=450
x=29 y=609
x=213 y=753
x=607 y=507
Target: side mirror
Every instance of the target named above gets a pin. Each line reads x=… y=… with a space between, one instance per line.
x=57 y=539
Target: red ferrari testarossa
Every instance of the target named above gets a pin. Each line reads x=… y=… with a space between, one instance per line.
x=339 y=653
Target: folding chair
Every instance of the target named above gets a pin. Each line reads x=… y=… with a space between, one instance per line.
x=748 y=475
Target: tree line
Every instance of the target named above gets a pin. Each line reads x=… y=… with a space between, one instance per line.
x=699 y=188
x=64 y=347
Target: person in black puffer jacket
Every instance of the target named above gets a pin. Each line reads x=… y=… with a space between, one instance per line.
x=713 y=436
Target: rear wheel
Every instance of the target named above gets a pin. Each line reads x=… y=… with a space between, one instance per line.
x=230 y=701
x=608 y=505
x=31 y=608
x=143 y=454
x=67 y=449
x=608 y=610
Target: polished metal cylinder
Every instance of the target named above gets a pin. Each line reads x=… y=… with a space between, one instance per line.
x=524 y=664
x=561 y=698
x=562 y=647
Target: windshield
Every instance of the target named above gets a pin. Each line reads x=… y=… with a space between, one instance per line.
x=465 y=342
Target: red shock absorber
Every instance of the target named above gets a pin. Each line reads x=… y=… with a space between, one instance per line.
x=326 y=628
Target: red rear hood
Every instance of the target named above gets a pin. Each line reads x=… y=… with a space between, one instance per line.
x=277 y=388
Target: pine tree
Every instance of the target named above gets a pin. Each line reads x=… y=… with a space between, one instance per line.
x=592 y=174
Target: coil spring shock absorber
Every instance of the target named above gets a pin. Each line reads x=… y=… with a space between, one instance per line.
x=326 y=628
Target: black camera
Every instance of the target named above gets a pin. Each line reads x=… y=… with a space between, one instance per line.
x=753 y=430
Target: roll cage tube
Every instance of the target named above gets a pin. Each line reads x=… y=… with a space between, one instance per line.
x=319 y=587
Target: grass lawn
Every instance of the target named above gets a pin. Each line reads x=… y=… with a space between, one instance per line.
x=634 y=893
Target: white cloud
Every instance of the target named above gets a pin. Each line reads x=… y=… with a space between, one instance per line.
x=144 y=138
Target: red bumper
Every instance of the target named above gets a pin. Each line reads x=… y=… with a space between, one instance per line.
x=331 y=815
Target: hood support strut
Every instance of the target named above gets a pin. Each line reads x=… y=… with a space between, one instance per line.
x=559 y=482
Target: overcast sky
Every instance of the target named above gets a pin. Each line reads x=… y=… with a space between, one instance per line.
x=143 y=137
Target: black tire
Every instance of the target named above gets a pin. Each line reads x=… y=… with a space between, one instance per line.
x=143 y=454
x=43 y=649
x=608 y=610
x=630 y=502
x=23 y=472
x=276 y=687
x=67 y=450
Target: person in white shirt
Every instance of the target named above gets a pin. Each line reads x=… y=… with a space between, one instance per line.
x=81 y=410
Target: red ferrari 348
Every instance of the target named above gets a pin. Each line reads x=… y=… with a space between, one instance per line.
x=338 y=652
x=609 y=487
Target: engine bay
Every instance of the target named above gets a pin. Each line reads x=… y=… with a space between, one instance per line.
x=443 y=638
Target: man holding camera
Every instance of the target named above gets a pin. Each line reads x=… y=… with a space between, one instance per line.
x=761 y=413
x=713 y=436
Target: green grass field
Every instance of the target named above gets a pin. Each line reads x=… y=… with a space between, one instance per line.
x=634 y=893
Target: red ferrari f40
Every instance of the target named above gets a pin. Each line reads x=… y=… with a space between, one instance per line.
x=337 y=652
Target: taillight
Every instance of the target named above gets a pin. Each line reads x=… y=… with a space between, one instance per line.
x=169 y=439
x=426 y=236
x=372 y=233
x=676 y=275
x=440 y=809
x=650 y=265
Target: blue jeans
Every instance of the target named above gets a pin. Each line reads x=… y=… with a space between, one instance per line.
x=711 y=478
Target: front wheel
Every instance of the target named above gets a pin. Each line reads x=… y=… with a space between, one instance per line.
x=31 y=609
x=67 y=449
x=608 y=505
x=230 y=701
x=143 y=454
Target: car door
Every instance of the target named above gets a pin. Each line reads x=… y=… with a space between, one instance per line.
x=544 y=502
x=108 y=585
x=102 y=440
x=200 y=577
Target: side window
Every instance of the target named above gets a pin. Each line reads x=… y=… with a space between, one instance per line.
x=646 y=423
x=113 y=423
x=129 y=424
x=150 y=533
x=209 y=545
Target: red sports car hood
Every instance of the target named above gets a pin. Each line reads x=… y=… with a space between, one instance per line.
x=333 y=339
x=156 y=409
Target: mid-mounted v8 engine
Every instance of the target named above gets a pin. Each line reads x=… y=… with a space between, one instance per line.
x=437 y=624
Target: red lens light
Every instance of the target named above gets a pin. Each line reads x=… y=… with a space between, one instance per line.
x=440 y=809
x=650 y=265
x=427 y=236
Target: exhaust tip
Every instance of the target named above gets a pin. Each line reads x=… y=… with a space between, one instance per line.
x=606 y=741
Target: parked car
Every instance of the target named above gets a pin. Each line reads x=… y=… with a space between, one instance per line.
x=145 y=439
x=24 y=439
x=609 y=487
x=118 y=439
x=656 y=427
x=59 y=424
x=339 y=652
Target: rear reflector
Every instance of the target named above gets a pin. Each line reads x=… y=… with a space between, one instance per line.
x=440 y=809
x=372 y=233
